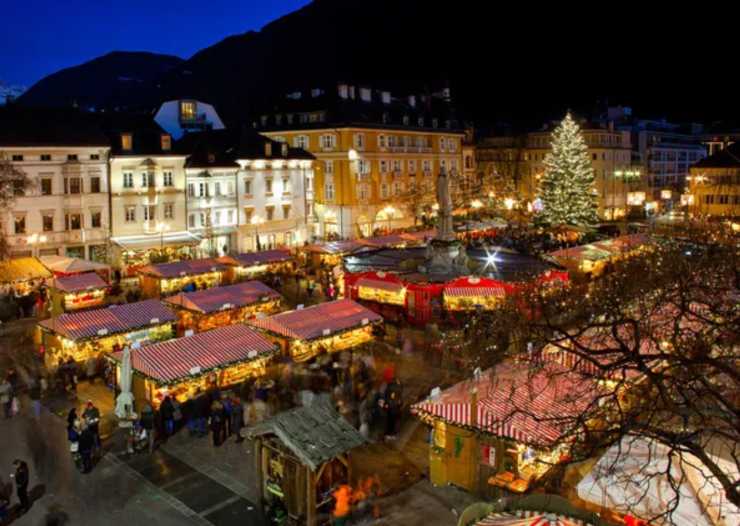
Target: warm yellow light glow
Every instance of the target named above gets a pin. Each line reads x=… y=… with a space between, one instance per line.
x=665 y=194
x=256 y=220
x=635 y=198
x=476 y=203
x=258 y=165
x=352 y=155
x=509 y=203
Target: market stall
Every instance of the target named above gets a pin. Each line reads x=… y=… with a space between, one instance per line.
x=165 y=279
x=183 y=367
x=220 y=306
x=326 y=327
x=68 y=266
x=501 y=431
x=82 y=335
x=302 y=457
x=76 y=292
x=135 y=252
x=330 y=254
x=592 y=259
x=253 y=264
x=22 y=275
x=471 y=293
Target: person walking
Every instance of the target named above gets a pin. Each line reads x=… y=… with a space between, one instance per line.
x=22 y=477
x=167 y=410
x=237 y=418
x=6 y=397
x=87 y=444
x=226 y=403
x=91 y=416
x=217 y=422
x=34 y=393
x=147 y=422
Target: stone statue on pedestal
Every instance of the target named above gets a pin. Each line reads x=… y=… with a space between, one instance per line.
x=444 y=227
x=445 y=254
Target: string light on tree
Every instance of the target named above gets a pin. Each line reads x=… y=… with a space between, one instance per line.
x=567 y=186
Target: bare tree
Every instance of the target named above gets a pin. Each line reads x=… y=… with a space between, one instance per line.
x=658 y=334
x=13 y=183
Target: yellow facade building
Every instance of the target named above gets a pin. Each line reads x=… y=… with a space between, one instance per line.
x=714 y=185
x=371 y=173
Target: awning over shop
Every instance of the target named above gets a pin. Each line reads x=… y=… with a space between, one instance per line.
x=180 y=358
x=116 y=319
x=251 y=259
x=68 y=265
x=79 y=282
x=377 y=283
x=150 y=241
x=474 y=287
x=223 y=298
x=334 y=247
x=22 y=269
x=319 y=320
x=187 y=267
x=528 y=518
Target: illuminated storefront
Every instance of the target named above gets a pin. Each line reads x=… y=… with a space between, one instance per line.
x=87 y=334
x=76 y=292
x=323 y=328
x=221 y=306
x=254 y=264
x=183 y=367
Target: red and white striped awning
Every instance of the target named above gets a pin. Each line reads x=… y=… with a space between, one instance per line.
x=528 y=518
x=175 y=359
x=474 y=292
x=79 y=282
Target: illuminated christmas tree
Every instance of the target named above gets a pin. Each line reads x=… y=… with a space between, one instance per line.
x=567 y=186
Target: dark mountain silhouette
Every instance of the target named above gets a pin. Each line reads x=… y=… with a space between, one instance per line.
x=118 y=79
x=505 y=62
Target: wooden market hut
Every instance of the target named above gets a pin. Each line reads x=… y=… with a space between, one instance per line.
x=165 y=279
x=301 y=456
x=593 y=258
x=68 y=266
x=326 y=327
x=502 y=430
x=250 y=265
x=330 y=254
x=82 y=335
x=76 y=292
x=471 y=292
x=183 y=367
x=19 y=273
x=220 y=306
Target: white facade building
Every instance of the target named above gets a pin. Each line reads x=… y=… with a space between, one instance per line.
x=64 y=210
x=178 y=117
x=212 y=208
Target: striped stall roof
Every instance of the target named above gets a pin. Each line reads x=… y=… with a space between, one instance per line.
x=223 y=298
x=474 y=292
x=528 y=518
x=250 y=259
x=334 y=247
x=79 y=282
x=391 y=240
x=189 y=267
x=115 y=319
x=312 y=322
x=516 y=400
x=172 y=360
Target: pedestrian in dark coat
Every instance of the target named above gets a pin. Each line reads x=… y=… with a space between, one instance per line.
x=237 y=418
x=147 y=422
x=87 y=443
x=167 y=410
x=22 y=478
x=217 y=422
x=226 y=403
x=202 y=412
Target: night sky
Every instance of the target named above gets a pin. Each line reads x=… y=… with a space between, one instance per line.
x=40 y=37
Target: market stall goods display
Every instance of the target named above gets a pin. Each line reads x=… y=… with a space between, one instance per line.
x=165 y=279
x=67 y=266
x=77 y=291
x=592 y=258
x=252 y=264
x=326 y=327
x=182 y=367
x=85 y=334
x=20 y=273
x=331 y=253
x=220 y=306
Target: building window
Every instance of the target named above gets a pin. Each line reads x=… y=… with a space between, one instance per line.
x=230 y=217
x=269 y=212
x=188 y=110
x=191 y=190
x=72 y=157
x=384 y=191
x=286 y=211
x=229 y=188
x=217 y=217
x=95 y=185
x=17 y=158
x=329 y=191
x=468 y=162
x=73 y=221
x=166 y=143
x=130 y=214
x=381 y=141
x=202 y=189
x=442 y=144
x=20 y=224
x=360 y=141
x=149 y=212
x=301 y=141
x=248 y=212
x=248 y=186
x=286 y=185
x=46 y=186
x=397 y=188
x=128 y=180
x=191 y=221
x=169 y=211
x=94 y=157
x=167 y=178
x=203 y=219
x=72 y=185
x=47 y=221
x=363 y=167
x=397 y=166
x=328 y=142
x=268 y=185
x=147 y=180
x=96 y=219
x=126 y=142
x=412 y=166
x=362 y=193
x=45 y=157
x=217 y=189
x=427 y=165
x=383 y=166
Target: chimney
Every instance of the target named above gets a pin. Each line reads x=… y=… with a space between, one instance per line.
x=166 y=142
x=474 y=407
